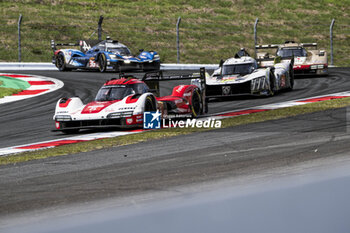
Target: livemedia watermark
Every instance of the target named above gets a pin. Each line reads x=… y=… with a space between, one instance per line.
x=153 y=120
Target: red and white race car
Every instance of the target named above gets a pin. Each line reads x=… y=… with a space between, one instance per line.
x=308 y=60
x=122 y=102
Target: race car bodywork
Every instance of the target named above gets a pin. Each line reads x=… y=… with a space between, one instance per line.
x=122 y=102
x=103 y=55
x=241 y=75
x=306 y=61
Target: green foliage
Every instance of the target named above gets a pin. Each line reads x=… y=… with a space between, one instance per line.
x=209 y=30
x=8 y=91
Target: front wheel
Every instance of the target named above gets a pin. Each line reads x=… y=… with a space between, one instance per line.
x=102 y=63
x=196 y=105
x=206 y=107
x=150 y=106
x=272 y=85
x=291 y=79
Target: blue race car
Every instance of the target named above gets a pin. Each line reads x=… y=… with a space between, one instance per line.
x=103 y=55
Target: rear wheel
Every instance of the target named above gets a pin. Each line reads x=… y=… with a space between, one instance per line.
x=154 y=66
x=117 y=68
x=61 y=62
x=102 y=63
x=196 y=105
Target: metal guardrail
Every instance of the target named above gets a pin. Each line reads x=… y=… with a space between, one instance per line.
x=49 y=66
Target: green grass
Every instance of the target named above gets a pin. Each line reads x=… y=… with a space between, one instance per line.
x=209 y=30
x=165 y=133
x=8 y=91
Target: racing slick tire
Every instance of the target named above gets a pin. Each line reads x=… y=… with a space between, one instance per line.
x=291 y=78
x=61 y=63
x=154 y=66
x=196 y=103
x=102 y=63
x=117 y=68
x=206 y=107
x=150 y=105
x=272 y=84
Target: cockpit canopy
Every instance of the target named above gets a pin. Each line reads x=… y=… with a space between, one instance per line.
x=118 y=92
x=241 y=69
x=114 y=47
x=290 y=52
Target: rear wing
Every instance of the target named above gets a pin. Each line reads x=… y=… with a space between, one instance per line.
x=309 y=45
x=84 y=45
x=265 y=56
x=269 y=60
x=54 y=45
x=267 y=46
x=152 y=79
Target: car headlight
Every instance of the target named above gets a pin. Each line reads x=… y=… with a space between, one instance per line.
x=127 y=61
x=112 y=56
x=314 y=67
x=320 y=66
x=156 y=56
x=63 y=118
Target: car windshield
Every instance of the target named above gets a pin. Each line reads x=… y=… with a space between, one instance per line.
x=119 y=50
x=118 y=92
x=238 y=69
x=108 y=93
x=290 y=52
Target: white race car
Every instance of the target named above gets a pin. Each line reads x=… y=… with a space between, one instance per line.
x=242 y=75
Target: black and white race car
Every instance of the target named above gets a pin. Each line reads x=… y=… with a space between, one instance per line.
x=241 y=75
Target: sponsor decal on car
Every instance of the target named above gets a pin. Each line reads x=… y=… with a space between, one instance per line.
x=230 y=78
x=92 y=63
x=226 y=90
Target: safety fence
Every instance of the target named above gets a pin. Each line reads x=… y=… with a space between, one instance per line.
x=178 y=40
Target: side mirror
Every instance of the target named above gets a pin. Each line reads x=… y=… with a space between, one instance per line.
x=96 y=50
x=141 y=50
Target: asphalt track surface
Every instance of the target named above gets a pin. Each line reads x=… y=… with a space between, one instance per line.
x=159 y=169
x=30 y=121
x=164 y=165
